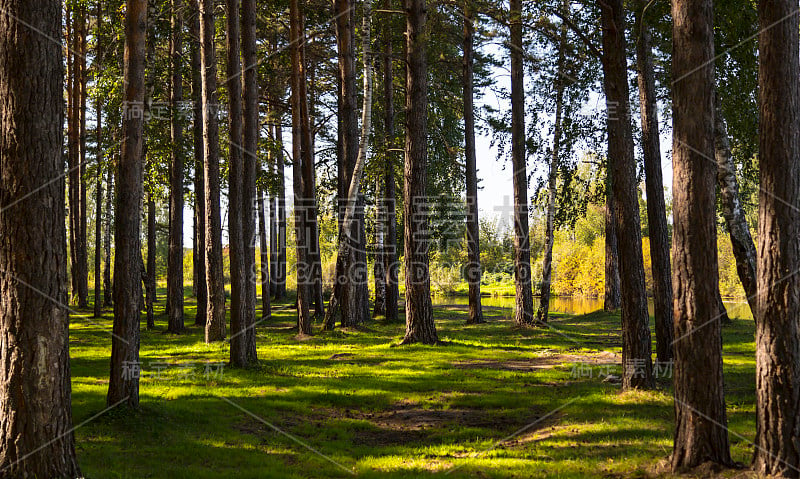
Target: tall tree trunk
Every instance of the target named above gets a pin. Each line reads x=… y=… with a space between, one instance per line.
x=215 y=329
x=379 y=308
x=123 y=385
x=656 y=207
x=353 y=212
x=611 y=298
x=36 y=438
x=523 y=311
x=72 y=148
x=700 y=422
x=76 y=153
x=543 y=312
x=271 y=197
x=744 y=250
x=390 y=190
x=315 y=255
x=272 y=201
x=351 y=291
x=235 y=182
x=299 y=143
x=636 y=346
x=420 y=327
x=98 y=217
x=266 y=308
x=107 y=287
x=175 y=258
x=280 y=269
x=250 y=142
x=777 y=345
x=199 y=253
x=150 y=271
x=82 y=269
x=473 y=269
x=547 y=262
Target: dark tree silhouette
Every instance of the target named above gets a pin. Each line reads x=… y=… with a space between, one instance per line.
x=36 y=438
x=700 y=423
x=777 y=344
x=123 y=385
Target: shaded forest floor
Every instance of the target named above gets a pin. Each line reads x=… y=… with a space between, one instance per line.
x=493 y=401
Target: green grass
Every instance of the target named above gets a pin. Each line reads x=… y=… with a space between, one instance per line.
x=383 y=411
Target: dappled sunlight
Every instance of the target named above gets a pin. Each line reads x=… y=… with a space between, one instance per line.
x=492 y=398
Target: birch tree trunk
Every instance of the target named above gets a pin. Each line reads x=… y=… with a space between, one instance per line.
x=346 y=243
x=744 y=249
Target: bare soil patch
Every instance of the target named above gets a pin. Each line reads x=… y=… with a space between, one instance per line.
x=542 y=362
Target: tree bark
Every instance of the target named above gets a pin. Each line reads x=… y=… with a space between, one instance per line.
x=238 y=353
x=300 y=155
x=312 y=223
x=199 y=253
x=473 y=267
x=215 y=328
x=272 y=202
x=82 y=268
x=150 y=271
x=107 y=287
x=390 y=266
x=420 y=327
x=280 y=269
x=654 y=186
x=98 y=218
x=266 y=308
x=547 y=262
x=351 y=291
x=543 y=312
x=744 y=249
x=523 y=311
x=611 y=298
x=175 y=258
x=76 y=128
x=700 y=421
x=72 y=147
x=353 y=213
x=777 y=345
x=250 y=137
x=379 y=307
x=636 y=346
x=124 y=386
x=36 y=438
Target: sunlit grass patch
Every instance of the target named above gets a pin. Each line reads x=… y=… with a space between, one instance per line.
x=492 y=401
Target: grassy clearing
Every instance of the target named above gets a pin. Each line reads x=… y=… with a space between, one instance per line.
x=493 y=402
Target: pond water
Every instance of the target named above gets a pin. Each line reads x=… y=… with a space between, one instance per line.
x=576 y=305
